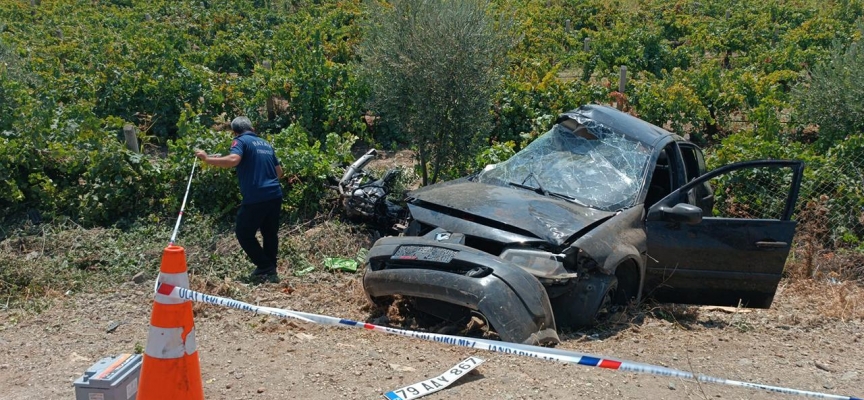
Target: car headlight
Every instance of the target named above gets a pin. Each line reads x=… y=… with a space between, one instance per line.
x=539 y=263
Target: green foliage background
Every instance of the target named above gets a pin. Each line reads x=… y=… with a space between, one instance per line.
x=74 y=72
x=744 y=79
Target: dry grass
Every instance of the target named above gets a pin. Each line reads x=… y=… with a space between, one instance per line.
x=843 y=265
x=823 y=277
x=809 y=240
x=814 y=256
x=681 y=315
x=310 y=244
x=842 y=301
x=218 y=266
x=820 y=274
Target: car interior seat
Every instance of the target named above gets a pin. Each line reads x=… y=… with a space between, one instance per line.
x=661 y=182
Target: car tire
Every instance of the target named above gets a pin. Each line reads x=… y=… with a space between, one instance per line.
x=588 y=303
x=382 y=303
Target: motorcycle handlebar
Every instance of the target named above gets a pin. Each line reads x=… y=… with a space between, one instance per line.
x=356 y=166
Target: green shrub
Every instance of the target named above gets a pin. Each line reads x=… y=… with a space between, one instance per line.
x=495 y=154
x=833 y=98
x=308 y=166
x=433 y=68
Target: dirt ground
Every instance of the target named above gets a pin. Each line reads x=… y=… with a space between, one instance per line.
x=245 y=356
x=811 y=339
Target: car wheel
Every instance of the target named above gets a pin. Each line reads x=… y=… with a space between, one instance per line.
x=382 y=303
x=608 y=304
x=628 y=284
x=588 y=303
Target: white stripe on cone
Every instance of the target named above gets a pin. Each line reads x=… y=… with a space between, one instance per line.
x=178 y=280
x=168 y=343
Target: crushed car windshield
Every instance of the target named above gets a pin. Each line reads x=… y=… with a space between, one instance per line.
x=538 y=189
x=590 y=165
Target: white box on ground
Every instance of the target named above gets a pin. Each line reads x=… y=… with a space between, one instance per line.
x=112 y=378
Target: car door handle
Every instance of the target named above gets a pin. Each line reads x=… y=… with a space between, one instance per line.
x=771 y=245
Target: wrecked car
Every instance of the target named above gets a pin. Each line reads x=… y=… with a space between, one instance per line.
x=601 y=211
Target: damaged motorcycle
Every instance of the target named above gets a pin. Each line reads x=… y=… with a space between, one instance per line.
x=365 y=198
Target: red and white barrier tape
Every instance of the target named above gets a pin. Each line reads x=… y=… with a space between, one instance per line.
x=490 y=345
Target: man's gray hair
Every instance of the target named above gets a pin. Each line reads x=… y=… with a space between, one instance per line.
x=241 y=124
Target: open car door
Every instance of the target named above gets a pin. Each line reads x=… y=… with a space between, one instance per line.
x=734 y=256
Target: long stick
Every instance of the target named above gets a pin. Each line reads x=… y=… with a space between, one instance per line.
x=183 y=206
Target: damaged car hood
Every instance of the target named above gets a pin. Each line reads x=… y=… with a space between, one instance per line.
x=510 y=209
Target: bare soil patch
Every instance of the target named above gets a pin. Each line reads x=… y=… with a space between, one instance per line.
x=798 y=343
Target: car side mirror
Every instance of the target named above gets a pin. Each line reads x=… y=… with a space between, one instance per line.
x=682 y=212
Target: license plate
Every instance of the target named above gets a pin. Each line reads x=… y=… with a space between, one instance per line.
x=424 y=253
x=435 y=384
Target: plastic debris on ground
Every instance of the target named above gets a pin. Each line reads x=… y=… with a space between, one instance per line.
x=304 y=271
x=342 y=264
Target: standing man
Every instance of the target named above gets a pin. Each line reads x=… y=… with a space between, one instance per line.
x=258 y=172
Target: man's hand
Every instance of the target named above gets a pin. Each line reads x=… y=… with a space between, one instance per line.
x=201 y=154
x=217 y=160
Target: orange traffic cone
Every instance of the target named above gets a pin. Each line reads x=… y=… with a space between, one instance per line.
x=171 y=369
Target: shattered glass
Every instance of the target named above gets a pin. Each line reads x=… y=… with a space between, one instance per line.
x=601 y=170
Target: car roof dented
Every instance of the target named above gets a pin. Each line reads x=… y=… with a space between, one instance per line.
x=620 y=122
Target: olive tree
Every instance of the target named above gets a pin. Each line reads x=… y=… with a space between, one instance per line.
x=833 y=98
x=433 y=66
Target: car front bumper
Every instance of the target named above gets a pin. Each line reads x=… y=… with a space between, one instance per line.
x=512 y=300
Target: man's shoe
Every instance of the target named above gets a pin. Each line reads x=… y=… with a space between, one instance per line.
x=258 y=279
x=263 y=276
x=264 y=272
